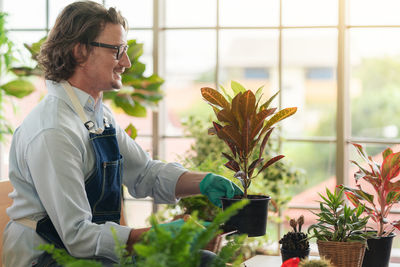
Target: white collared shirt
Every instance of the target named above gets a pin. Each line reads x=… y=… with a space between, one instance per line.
x=50 y=158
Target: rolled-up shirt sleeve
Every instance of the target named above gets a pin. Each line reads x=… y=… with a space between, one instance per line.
x=55 y=164
x=145 y=177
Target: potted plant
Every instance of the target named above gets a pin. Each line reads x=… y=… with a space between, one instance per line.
x=243 y=123
x=295 y=243
x=340 y=230
x=378 y=203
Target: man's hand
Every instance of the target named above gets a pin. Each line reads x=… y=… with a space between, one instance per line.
x=215 y=186
x=172 y=226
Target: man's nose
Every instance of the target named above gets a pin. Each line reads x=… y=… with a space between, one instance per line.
x=125 y=61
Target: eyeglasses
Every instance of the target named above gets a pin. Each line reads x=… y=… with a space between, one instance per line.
x=121 y=49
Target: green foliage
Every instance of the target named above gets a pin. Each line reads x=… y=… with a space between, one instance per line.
x=383 y=179
x=337 y=221
x=205 y=209
x=160 y=247
x=180 y=248
x=140 y=92
x=62 y=257
x=244 y=123
x=10 y=85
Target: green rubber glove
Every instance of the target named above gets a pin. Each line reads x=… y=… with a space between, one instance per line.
x=172 y=226
x=215 y=186
x=176 y=225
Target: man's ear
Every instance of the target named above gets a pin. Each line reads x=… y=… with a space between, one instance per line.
x=80 y=53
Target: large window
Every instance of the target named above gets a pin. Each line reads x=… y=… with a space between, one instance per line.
x=338 y=61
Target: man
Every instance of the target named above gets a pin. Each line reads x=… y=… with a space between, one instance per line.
x=69 y=157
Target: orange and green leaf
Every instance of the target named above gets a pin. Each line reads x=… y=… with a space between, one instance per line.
x=230 y=133
x=247 y=104
x=280 y=115
x=270 y=162
x=214 y=97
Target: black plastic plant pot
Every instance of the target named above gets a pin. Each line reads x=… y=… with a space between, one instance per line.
x=378 y=251
x=288 y=254
x=251 y=219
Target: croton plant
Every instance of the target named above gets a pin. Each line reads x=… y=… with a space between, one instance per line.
x=386 y=188
x=245 y=125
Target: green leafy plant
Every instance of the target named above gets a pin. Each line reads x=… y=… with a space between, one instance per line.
x=337 y=221
x=160 y=247
x=386 y=188
x=139 y=92
x=243 y=123
x=206 y=211
x=10 y=83
x=205 y=155
x=296 y=239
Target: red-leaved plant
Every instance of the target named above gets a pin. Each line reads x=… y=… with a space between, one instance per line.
x=243 y=123
x=387 y=188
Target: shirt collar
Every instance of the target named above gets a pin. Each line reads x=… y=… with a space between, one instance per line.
x=86 y=100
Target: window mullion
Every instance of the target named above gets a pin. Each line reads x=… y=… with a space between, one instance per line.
x=342 y=112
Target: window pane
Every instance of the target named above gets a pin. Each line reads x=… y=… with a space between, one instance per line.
x=138 y=212
x=25 y=14
x=309 y=12
x=189 y=65
x=55 y=7
x=309 y=81
x=19 y=38
x=318 y=162
x=175 y=149
x=139 y=13
x=374 y=82
x=249 y=57
x=143 y=125
x=144 y=37
x=374 y=12
x=249 y=13
x=189 y=13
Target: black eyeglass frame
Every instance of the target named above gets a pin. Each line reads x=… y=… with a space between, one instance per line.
x=120 y=51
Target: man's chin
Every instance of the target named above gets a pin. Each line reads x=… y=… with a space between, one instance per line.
x=116 y=85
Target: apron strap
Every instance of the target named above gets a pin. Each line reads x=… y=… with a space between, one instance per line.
x=79 y=109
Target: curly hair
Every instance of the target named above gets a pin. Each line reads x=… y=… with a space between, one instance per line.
x=80 y=22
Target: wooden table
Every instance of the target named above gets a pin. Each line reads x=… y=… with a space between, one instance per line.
x=276 y=261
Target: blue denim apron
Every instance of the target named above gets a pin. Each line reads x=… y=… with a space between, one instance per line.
x=103 y=187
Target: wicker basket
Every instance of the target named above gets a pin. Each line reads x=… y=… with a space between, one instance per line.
x=342 y=254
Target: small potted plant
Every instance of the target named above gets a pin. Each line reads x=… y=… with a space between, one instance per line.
x=378 y=203
x=295 y=243
x=340 y=230
x=243 y=123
